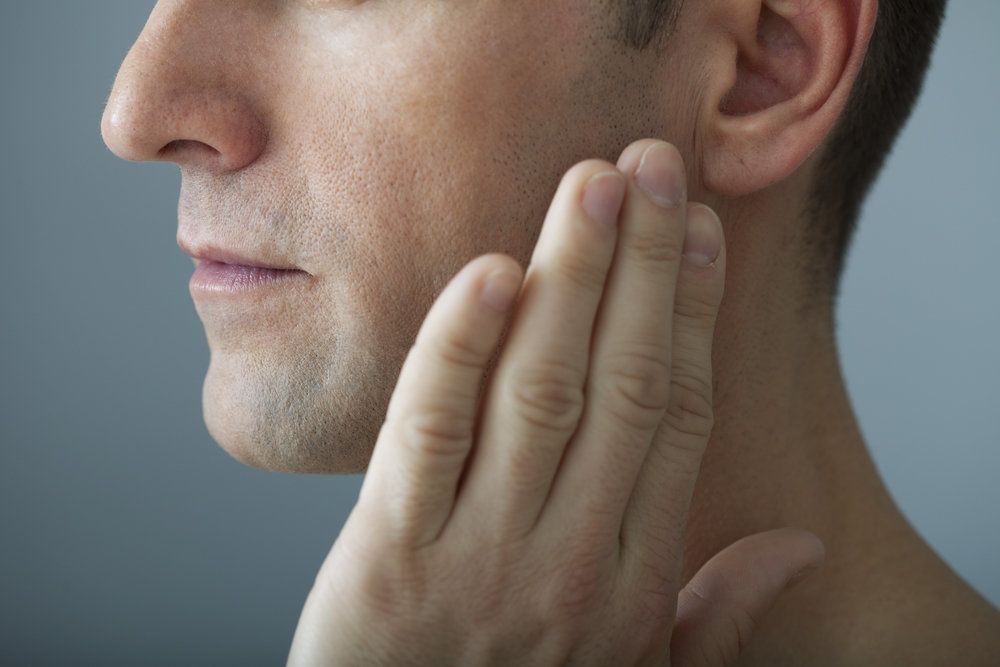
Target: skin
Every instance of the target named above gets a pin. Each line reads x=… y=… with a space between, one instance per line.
x=383 y=165
x=567 y=485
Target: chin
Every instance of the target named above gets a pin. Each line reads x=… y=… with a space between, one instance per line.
x=266 y=421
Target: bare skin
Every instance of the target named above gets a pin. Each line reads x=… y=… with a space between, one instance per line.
x=381 y=166
x=526 y=504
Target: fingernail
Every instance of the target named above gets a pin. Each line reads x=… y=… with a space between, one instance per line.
x=499 y=290
x=703 y=237
x=661 y=174
x=602 y=197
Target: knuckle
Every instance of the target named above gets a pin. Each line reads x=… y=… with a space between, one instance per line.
x=681 y=457
x=548 y=396
x=436 y=432
x=690 y=408
x=581 y=271
x=696 y=307
x=454 y=349
x=655 y=247
x=639 y=383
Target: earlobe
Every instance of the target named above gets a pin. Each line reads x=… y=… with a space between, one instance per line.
x=781 y=86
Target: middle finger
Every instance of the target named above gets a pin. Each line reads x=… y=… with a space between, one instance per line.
x=628 y=386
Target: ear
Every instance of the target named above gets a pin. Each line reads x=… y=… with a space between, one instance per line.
x=778 y=86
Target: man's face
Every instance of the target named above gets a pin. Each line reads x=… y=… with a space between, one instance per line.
x=378 y=146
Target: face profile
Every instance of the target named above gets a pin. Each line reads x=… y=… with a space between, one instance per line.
x=374 y=169
x=343 y=163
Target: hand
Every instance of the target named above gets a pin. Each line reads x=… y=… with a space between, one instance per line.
x=540 y=521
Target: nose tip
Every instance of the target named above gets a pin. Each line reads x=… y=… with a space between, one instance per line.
x=161 y=111
x=119 y=130
x=203 y=127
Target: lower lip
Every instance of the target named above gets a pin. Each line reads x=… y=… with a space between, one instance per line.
x=218 y=277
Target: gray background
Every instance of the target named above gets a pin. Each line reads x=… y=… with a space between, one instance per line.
x=128 y=537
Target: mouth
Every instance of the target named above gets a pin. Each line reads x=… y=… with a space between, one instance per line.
x=212 y=276
x=219 y=271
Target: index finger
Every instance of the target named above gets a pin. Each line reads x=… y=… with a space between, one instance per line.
x=428 y=431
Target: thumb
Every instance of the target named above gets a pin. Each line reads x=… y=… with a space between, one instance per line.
x=719 y=608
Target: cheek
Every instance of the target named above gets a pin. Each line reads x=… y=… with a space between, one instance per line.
x=425 y=161
x=428 y=152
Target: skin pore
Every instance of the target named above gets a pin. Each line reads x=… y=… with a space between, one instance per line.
x=381 y=145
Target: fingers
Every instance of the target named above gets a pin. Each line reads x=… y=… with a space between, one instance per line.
x=719 y=608
x=535 y=396
x=659 y=504
x=428 y=431
x=628 y=388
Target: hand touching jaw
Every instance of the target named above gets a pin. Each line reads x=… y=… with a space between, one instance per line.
x=379 y=147
x=542 y=523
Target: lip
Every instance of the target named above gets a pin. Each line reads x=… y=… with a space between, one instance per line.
x=220 y=271
x=215 y=254
x=219 y=277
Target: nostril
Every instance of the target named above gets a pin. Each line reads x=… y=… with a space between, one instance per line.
x=191 y=147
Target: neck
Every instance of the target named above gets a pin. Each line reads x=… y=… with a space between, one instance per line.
x=786 y=450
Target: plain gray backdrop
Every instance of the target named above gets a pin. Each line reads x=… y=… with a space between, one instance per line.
x=128 y=537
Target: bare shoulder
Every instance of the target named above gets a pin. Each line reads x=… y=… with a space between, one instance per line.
x=919 y=612
x=905 y=607
x=952 y=625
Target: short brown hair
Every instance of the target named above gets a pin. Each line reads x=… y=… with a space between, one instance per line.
x=880 y=104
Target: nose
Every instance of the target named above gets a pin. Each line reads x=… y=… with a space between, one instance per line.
x=183 y=93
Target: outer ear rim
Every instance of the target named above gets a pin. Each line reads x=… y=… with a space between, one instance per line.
x=748 y=153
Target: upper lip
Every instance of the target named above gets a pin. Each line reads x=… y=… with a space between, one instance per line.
x=216 y=254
